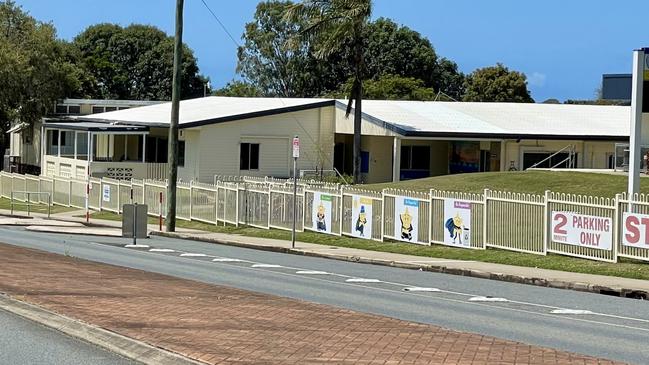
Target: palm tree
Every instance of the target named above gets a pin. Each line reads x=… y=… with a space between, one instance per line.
x=331 y=24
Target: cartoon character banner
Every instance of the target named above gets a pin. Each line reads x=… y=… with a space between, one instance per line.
x=321 y=212
x=406 y=219
x=361 y=217
x=457 y=223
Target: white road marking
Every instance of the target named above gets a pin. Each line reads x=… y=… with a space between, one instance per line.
x=418 y=288
x=571 y=311
x=362 y=280
x=311 y=272
x=189 y=254
x=265 y=265
x=161 y=250
x=442 y=291
x=136 y=246
x=487 y=299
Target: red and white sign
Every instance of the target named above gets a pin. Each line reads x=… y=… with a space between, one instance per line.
x=296 y=147
x=582 y=230
x=635 y=230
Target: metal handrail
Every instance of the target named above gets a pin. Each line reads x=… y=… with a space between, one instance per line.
x=570 y=156
x=28 y=201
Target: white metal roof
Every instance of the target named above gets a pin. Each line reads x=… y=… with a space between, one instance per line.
x=203 y=110
x=418 y=117
x=408 y=117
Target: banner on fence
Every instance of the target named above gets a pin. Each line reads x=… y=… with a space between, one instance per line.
x=362 y=217
x=457 y=223
x=406 y=219
x=105 y=194
x=582 y=230
x=322 y=212
x=634 y=230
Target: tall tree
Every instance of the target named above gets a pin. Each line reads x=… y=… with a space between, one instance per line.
x=135 y=62
x=238 y=88
x=391 y=87
x=331 y=23
x=35 y=69
x=497 y=83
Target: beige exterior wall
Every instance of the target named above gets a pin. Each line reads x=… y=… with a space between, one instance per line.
x=368 y=128
x=380 y=149
x=217 y=152
x=591 y=154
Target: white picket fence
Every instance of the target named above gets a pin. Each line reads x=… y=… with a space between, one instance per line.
x=526 y=223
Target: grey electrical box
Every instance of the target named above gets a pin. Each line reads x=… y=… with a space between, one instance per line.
x=134 y=219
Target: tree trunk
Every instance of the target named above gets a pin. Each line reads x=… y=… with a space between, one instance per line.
x=358 y=64
x=172 y=178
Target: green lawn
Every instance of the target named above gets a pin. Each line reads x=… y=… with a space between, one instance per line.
x=624 y=268
x=537 y=182
x=41 y=208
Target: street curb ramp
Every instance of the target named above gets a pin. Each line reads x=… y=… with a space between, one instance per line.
x=111 y=341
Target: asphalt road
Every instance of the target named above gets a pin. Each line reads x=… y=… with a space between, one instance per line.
x=25 y=342
x=586 y=323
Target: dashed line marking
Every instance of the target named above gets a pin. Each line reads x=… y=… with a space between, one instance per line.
x=571 y=311
x=226 y=259
x=266 y=265
x=421 y=289
x=311 y=272
x=362 y=280
x=189 y=254
x=487 y=299
x=161 y=250
x=136 y=246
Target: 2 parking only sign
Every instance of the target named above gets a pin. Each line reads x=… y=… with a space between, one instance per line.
x=582 y=230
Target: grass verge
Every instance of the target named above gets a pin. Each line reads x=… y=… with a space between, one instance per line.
x=40 y=208
x=626 y=268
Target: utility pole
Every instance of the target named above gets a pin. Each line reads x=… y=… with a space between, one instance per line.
x=172 y=178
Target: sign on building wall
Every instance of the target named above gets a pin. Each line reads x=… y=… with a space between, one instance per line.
x=321 y=215
x=105 y=193
x=406 y=219
x=362 y=217
x=634 y=230
x=582 y=230
x=457 y=223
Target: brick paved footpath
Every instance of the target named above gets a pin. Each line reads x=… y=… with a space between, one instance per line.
x=222 y=325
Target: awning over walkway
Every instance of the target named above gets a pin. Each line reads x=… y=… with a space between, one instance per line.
x=95 y=127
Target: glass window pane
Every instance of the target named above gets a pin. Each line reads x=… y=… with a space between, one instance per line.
x=74 y=109
x=244 y=157
x=67 y=144
x=97 y=109
x=181 y=153
x=61 y=109
x=111 y=108
x=420 y=157
x=254 y=156
x=52 y=142
x=405 y=157
x=82 y=146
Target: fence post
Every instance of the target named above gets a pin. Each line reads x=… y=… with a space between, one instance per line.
x=236 y=218
x=118 y=198
x=430 y=216
x=485 y=197
x=546 y=222
x=191 y=196
x=616 y=225
x=382 y=214
x=70 y=193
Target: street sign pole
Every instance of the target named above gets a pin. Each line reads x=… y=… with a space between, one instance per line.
x=296 y=154
x=635 y=136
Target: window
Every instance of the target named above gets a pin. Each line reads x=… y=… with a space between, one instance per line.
x=61 y=109
x=82 y=146
x=415 y=157
x=52 y=142
x=365 y=162
x=67 y=144
x=181 y=153
x=249 y=156
x=110 y=108
x=97 y=109
x=74 y=109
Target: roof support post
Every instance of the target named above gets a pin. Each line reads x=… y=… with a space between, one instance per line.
x=396 y=159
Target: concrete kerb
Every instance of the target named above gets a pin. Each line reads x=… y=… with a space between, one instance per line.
x=557 y=284
x=114 y=342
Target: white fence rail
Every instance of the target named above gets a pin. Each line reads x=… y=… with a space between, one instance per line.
x=593 y=228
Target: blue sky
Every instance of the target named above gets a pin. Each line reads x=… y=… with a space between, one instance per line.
x=562 y=46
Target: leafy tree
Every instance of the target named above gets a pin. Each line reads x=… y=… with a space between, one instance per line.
x=238 y=88
x=35 y=69
x=497 y=83
x=391 y=49
x=135 y=62
x=331 y=24
x=392 y=87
